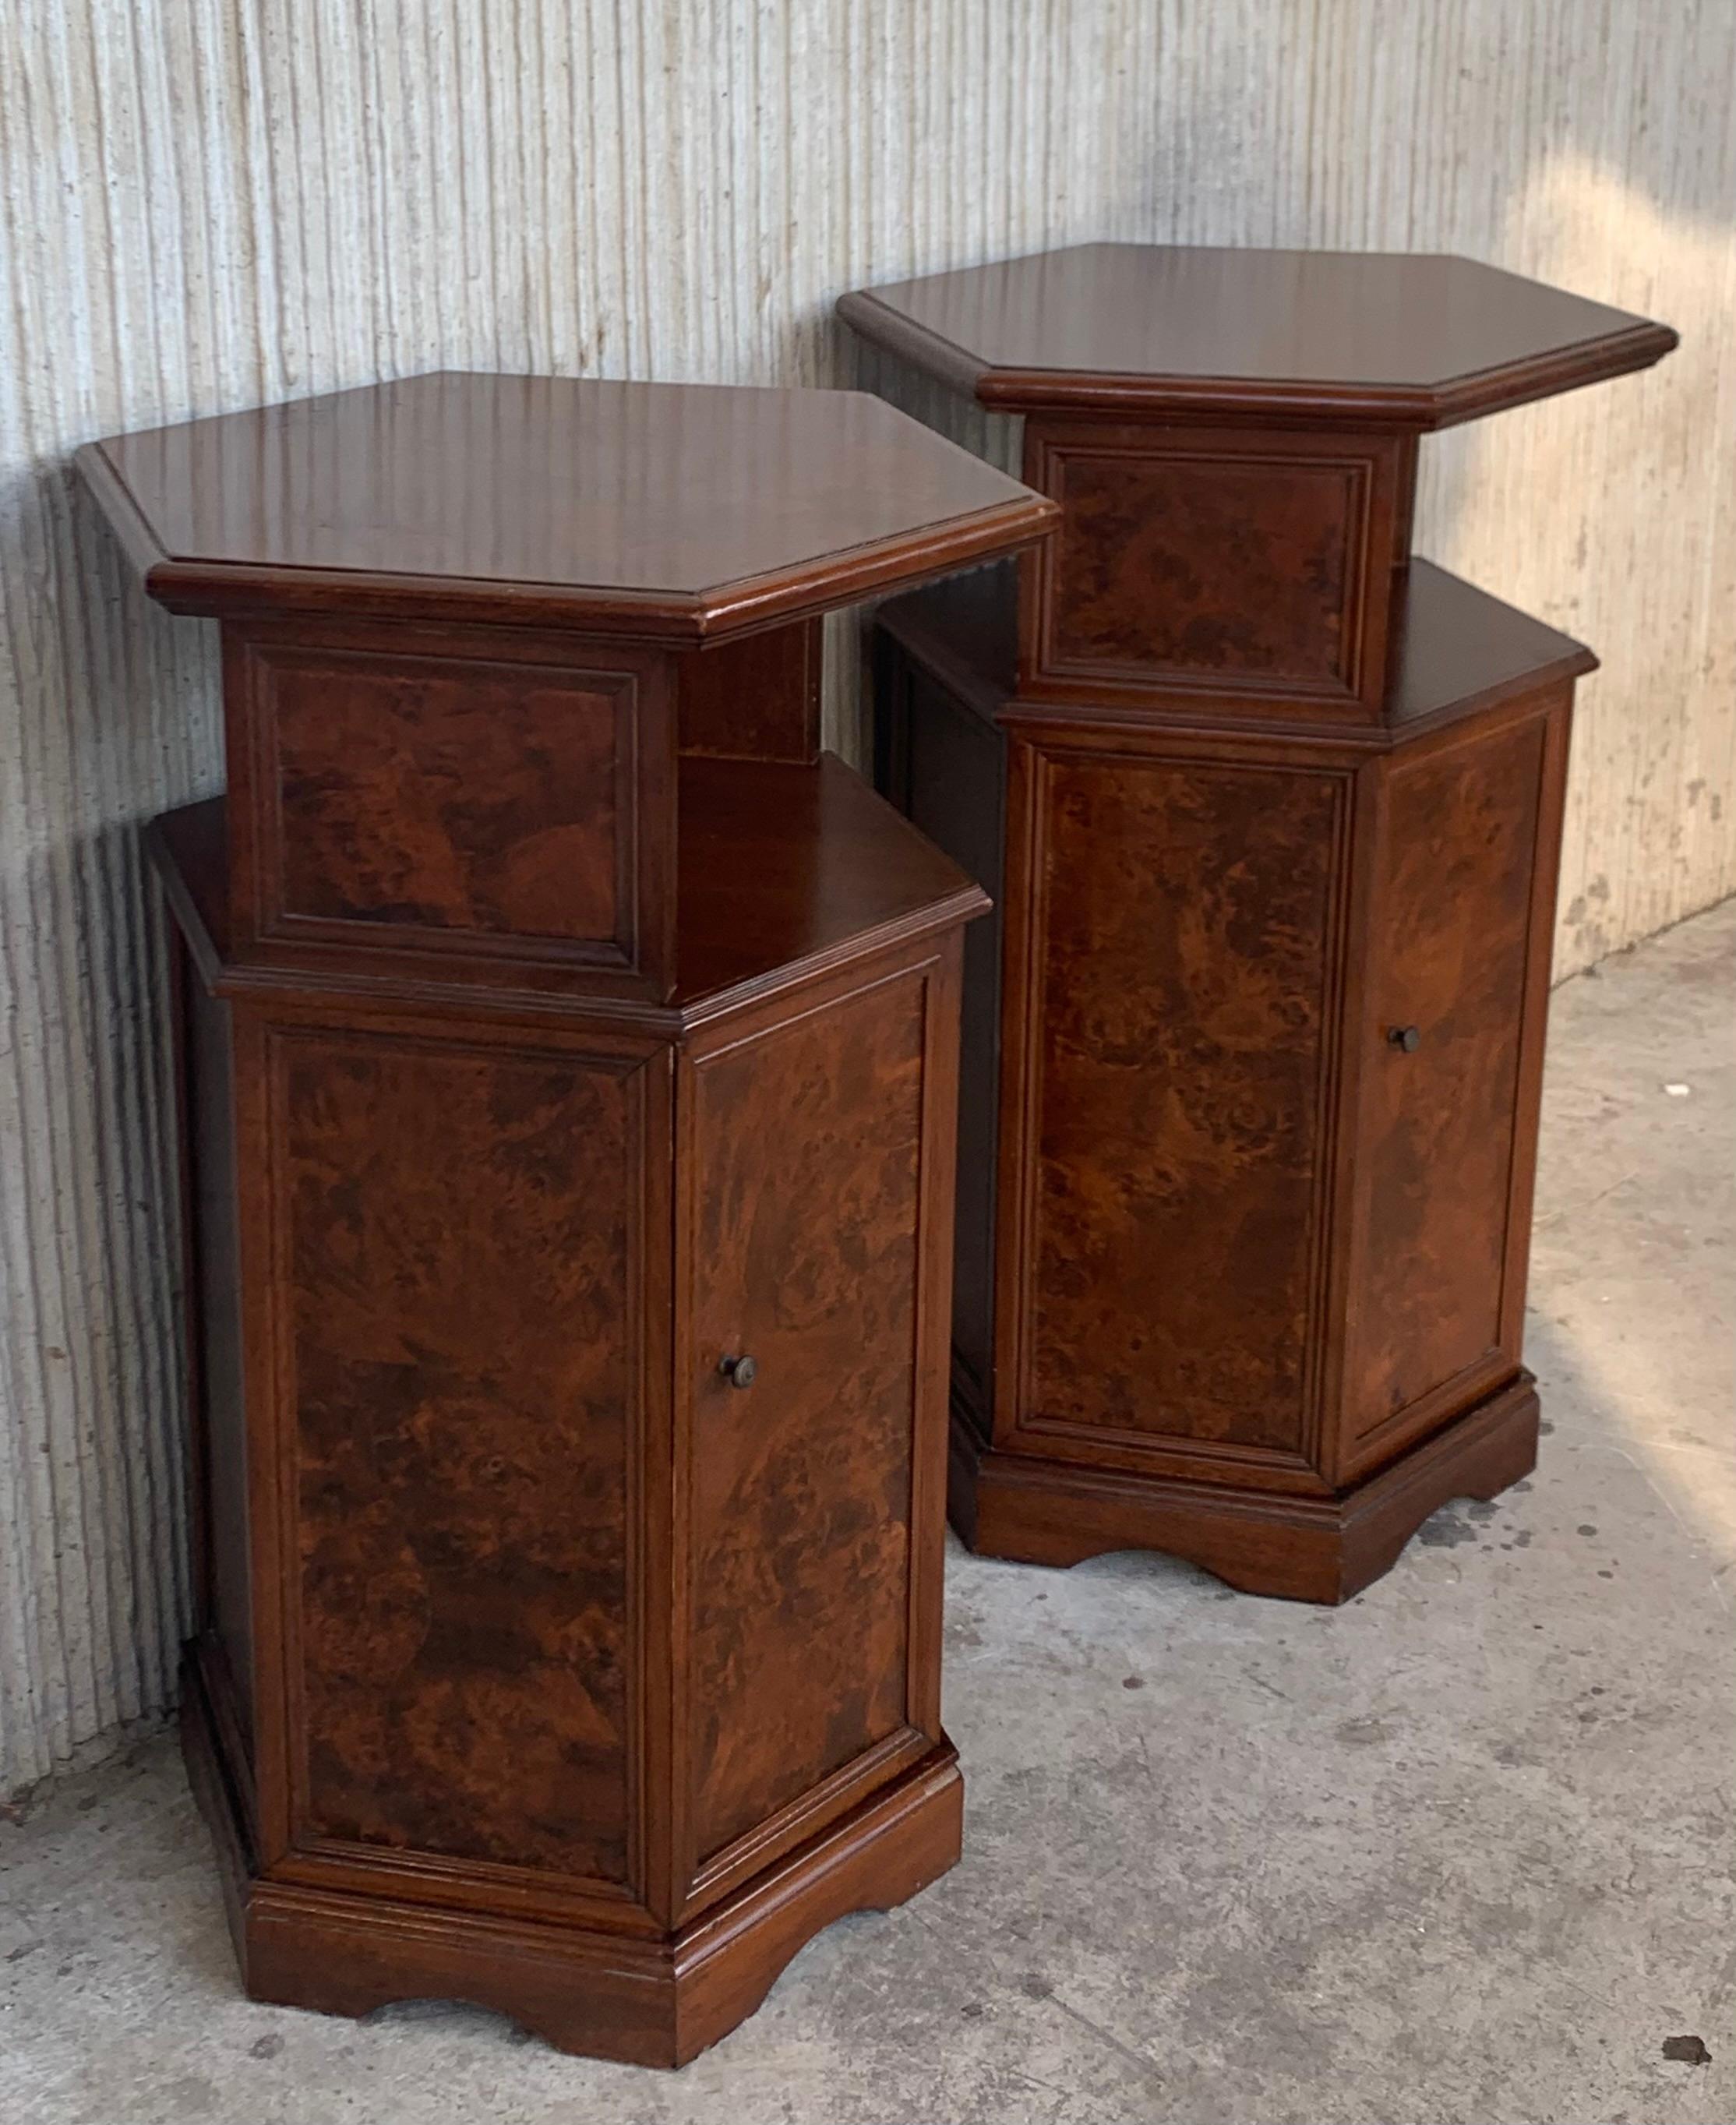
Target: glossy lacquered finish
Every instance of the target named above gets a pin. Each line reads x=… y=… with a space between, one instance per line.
x=470 y=624
x=1271 y=813
x=1326 y=338
x=553 y=1671
x=678 y=511
x=568 y=1055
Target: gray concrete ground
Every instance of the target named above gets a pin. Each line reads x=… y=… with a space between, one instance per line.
x=1457 y=1852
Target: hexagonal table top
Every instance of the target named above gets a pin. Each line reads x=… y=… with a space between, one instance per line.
x=685 y=510
x=1391 y=339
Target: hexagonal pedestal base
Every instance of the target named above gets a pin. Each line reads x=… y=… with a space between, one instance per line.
x=647 y=2002
x=1303 y=1549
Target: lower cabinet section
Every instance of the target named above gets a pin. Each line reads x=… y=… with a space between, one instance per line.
x=1270 y=1017
x=591 y=1437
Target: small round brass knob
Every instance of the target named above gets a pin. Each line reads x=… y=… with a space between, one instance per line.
x=740 y=1371
x=1404 y=1038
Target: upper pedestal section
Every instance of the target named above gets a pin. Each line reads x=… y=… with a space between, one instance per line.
x=669 y=512
x=1328 y=338
x=1232 y=436
x=470 y=622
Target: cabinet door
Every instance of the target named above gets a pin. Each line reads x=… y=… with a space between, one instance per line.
x=451 y=1355
x=1169 y=1024
x=1452 y=1040
x=815 y=1491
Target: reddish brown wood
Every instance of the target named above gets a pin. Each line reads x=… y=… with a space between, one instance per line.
x=504 y=796
x=757 y=699
x=1253 y=567
x=677 y=512
x=812 y=1462
x=1310 y=339
x=1299 y=1547
x=530 y=1071
x=948 y=774
x=1459 y=829
x=816 y=863
x=493 y=1621
x=1186 y=951
x=205 y=1081
x=462 y=1611
x=1205 y=937
x=1272 y=815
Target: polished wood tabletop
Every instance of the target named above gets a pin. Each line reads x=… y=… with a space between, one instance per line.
x=1411 y=341
x=672 y=510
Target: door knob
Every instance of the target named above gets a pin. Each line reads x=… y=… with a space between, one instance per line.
x=1406 y=1039
x=740 y=1371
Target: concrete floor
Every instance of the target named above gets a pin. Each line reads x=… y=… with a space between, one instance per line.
x=1456 y=1852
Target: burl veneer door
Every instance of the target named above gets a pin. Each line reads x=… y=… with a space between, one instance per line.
x=1453 y=1038
x=492 y=794
x=813 y=1649
x=456 y=1353
x=1175 y=951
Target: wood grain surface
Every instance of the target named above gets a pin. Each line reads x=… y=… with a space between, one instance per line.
x=1142 y=576
x=1417 y=340
x=1186 y=926
x=464 y=1396
x=809 y=1148
x=1438 y=1138
x=680 y=511
x=458 y=794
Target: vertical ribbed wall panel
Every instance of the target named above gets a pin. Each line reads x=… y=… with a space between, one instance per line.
x=204 y=206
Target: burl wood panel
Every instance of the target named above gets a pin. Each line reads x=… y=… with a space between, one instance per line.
x=754 y=699
x=808 y=1143
x=1452 y=913
x=449 y=794
x=1188 y=940
x=1241 y=572
x=462 y=1399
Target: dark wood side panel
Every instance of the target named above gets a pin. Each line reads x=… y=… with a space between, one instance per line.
x=222 y=1567
x=956 y=793
x=459 y=1237
x=757 y=698
x=1186 y=928
x=807 y=1144
x=1453 y=924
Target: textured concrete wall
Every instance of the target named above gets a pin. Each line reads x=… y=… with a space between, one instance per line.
x=205 y=205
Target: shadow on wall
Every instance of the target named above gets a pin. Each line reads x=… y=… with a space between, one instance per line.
x=1639 y=558
x=108 y=703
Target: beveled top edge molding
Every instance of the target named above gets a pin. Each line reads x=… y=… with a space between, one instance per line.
x=677 y=513
x=222 y=590
x=1412 y=408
